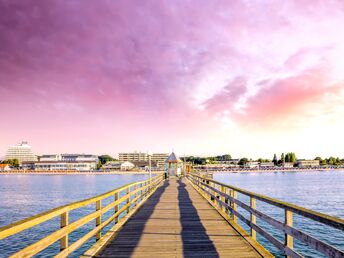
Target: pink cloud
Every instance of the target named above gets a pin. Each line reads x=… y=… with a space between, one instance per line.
x=83 y=69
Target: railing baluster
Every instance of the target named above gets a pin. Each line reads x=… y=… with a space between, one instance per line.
x=233 y=194
x=223 y=190
x=253 y=217
x=289 y=222
x=64 y=223
x=98 y=219
x=128 y=199
x=116 y=206
x=135 y=195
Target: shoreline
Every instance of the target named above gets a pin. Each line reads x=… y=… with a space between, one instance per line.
x=79 y=173
x=274 y=170
x=136 y=172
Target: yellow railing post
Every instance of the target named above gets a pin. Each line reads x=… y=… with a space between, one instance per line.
x=253 y=217
x=223 y=190
x=135 y=195
x=98 y=219
x=128 y=199
x=289 y=222
x=64 y=223
x=233 y=194
x=116 y=206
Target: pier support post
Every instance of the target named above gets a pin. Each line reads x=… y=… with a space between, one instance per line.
x=116 y=206
x=223 y=190
x=289 y=242
x=64 y=223
x=253 y=217
x=128 y=199
x=233 y=194
x=98 y=219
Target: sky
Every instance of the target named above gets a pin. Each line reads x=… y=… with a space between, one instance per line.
x=250 y=78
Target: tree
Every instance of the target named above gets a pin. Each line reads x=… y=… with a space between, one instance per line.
x=282 y=158
x=293 y=157
x=105 y=158
x=243 y=161
x=274 y=160
x=11 y=162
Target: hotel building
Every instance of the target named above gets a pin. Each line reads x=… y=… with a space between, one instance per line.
x=308 y=163
x=132 y=156
x=158 y=158
x=21 y=152
x=79 y=162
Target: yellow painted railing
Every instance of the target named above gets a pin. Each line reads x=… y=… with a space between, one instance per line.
x=225 y=198
x=125 y=200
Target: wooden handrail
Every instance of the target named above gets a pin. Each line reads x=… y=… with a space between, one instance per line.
x=221 y=199
x=135 y=194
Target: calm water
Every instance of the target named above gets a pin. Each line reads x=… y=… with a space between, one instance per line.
x=22 y=196
x=319 y=191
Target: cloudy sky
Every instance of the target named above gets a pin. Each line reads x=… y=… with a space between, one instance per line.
x=248 y=77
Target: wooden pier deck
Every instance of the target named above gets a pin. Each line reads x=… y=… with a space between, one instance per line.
x=176 y=221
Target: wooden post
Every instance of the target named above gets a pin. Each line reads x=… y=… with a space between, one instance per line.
x=233 y=194
x=116 y=206
x=98 y=219
x=128 y=199
x=135 y=195
x=64 y=223
x=289 y=222
x=223 y=190
x=253 y=218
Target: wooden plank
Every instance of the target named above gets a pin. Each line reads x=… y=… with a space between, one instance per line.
x=177 y=221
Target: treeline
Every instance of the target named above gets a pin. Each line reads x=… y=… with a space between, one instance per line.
x=331 y=161
x=206 y=160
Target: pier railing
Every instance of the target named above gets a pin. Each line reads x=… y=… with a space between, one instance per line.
x=125 y=201
x=225 y=198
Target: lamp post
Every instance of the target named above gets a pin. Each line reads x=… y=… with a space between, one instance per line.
x=150 y=167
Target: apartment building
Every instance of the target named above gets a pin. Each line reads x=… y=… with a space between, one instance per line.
x=21 y=152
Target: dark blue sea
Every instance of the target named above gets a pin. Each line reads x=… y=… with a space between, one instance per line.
x=22 y=196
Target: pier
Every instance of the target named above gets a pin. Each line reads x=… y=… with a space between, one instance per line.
x=188 y=216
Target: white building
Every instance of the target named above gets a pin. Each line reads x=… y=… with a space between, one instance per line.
x=132 y=156
x=160 y=159
x=21 y=152
x=252 y=164
x=266 y=164
x=127 y=165
x=79 y=162
x=302 y=163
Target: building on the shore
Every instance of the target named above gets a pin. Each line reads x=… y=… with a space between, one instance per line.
x=157 y=158
x=112 y=165
x=21 y=152
x=58 y=162
x=252 y=164
x=266 y=164
x=160 y=159
x=5 y=167
x=132 y=156
x=288 y=165
x=65 y=165
x=303 y=163
x=127 y=165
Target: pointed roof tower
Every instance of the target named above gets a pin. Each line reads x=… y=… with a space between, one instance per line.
x=173 y=158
